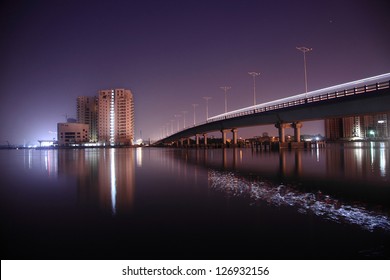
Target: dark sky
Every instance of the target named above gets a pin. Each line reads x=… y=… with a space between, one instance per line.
x=172 y=53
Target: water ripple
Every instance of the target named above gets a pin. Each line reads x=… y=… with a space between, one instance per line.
x=319 y=204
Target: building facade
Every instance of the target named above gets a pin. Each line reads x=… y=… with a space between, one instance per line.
x=72 y=133
x=115 y=117
x=374 y=126
x=87 y=113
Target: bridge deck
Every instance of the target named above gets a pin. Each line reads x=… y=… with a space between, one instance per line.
x=336 y=101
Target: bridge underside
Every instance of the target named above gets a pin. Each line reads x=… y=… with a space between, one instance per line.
x=374 y=102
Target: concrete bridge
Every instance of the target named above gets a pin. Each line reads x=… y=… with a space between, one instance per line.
x=366 y=96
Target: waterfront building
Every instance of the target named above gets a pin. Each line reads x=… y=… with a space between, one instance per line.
x=115 y=117
x=358 y=127
x=87 y=113
x=72 y=133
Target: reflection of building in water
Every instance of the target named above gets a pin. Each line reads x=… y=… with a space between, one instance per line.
x=105 y=177
x=45 y=161
x=367 y=126
x=116 y=180
x=358 y=160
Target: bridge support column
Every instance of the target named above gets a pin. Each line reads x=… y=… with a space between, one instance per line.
x=182 y=142
x=197 y=140
x=235 y=130
x=297 y=131
x=224 y=131
x=281 y=127
x=205 y=139
x=188 y=142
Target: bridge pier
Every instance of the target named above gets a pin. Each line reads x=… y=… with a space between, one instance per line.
x=297 y=134
x=224 y=131
x=281 y=127
x=205 y=139
x=235 y=130
x=197 y=140
x=297 y=131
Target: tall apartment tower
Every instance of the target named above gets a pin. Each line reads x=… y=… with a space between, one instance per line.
x=115 y=117
x=87 y=113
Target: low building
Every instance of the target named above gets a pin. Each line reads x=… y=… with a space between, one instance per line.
x=72 y=133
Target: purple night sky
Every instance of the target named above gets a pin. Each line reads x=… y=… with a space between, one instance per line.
x=173 y=53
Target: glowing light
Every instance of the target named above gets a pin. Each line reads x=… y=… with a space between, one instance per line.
x=113 y=181
x=46 y=143
x=112 y=118
x=138 y=153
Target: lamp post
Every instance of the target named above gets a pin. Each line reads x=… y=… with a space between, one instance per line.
x=207 y=98
x=167 y=127
x=184 y=118
x=194 y=105
x=304 y=50
x=254 y=75
x=225 y=89
x=178 y=125
x=172 y=126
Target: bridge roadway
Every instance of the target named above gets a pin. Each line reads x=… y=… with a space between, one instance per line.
x=366 y=96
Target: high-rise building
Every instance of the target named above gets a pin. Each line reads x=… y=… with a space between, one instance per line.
x=87 y=111
x=364 y=127
x=115 y=117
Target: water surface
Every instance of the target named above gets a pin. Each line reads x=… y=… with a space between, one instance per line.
x=160 y=203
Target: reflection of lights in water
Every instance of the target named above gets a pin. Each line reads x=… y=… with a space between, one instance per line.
x=320 y=205
x=46 y=161
x=29 y=158
x=138 y=154
x=382 y=160
x=113 y=181
x=372 y=154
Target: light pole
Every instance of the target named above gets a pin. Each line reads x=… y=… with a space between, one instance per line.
x=184 y=118
x=194 y=105
x=304 y=50
x=225 y=89
x=178 y=125
x=254 y=75
x=172 y=126
x=207 y=98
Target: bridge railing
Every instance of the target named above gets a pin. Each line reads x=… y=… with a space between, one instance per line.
x=301 y=99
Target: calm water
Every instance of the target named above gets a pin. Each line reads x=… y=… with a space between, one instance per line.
x=159 y=203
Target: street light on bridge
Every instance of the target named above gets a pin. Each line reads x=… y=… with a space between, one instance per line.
x=194 y=105
x=184 y=118
x=225 y=89
x=254 y=75
x=207 y=98
x=172 y=126
x=304 y=50
x=178 y=125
